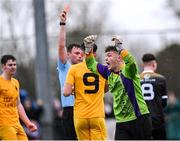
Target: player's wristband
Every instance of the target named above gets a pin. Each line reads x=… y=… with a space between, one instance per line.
x=62 y=24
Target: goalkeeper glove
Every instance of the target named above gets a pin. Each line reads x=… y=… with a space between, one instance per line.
x=117 y=42
x=89 y=42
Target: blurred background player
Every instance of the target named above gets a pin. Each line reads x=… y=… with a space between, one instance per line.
x=155 y=94
x=172 y=112
x=11 y=108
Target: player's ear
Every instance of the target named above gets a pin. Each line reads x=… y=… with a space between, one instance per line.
x=82 y=54
x=95 y=54
x=3 y=66
x=119 y=58
x=155 y=65
x=68 y=54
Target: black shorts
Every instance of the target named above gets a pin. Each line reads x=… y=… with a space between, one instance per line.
x=159 y=133
x=68 y=122
x=139 y=129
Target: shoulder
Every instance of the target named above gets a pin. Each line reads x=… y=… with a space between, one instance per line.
x=152 y=75
x=61 y=65
x=79 y=65
x=1 y=82
x=1 y=78
x=160 y=76
x=15 y=80
x=75 y=67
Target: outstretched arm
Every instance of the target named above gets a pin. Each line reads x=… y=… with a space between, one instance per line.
x=91 y=62
x=130 y=69
x=62 y=53
x=89 y=42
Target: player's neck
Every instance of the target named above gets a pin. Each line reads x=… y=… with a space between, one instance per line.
x=148 y=69
x=6 y=76
x=116 y=68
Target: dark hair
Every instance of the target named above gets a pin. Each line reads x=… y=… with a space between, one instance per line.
x=69 y=48
x=110 y=48
x=94 y=47
x=148 y=57
x=5 y=58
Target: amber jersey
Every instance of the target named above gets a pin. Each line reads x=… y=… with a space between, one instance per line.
x=89 y=91
x=9 y=93
x=154 y=91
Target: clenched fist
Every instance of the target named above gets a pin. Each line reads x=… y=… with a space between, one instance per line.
x=63 y=16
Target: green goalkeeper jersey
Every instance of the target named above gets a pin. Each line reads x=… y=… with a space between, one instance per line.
x=128 y=101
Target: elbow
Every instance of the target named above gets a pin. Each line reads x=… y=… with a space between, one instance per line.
x=66 y=94
x=106 y=89
x=67 y=90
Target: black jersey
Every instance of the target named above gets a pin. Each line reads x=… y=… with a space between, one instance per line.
x=154 y=92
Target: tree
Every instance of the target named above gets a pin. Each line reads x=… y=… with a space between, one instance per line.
x=15 y=40
x=26 y=77
x=175 y=4
x=84 y=18
x=169 y=66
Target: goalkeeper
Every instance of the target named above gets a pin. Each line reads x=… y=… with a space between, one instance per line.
x=130 y=109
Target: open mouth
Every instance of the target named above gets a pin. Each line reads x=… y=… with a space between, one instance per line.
x=107 y=64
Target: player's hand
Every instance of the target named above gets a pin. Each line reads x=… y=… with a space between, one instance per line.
x=117 y=42
x=32 y=127
x=89 y=42
x=63 y=16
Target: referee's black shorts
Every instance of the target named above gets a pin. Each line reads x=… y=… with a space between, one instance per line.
x=68 y=123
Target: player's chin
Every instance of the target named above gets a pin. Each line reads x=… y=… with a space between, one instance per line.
x=79 y=61
x=13 y=72
x=109 y=67
x=33 y=130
